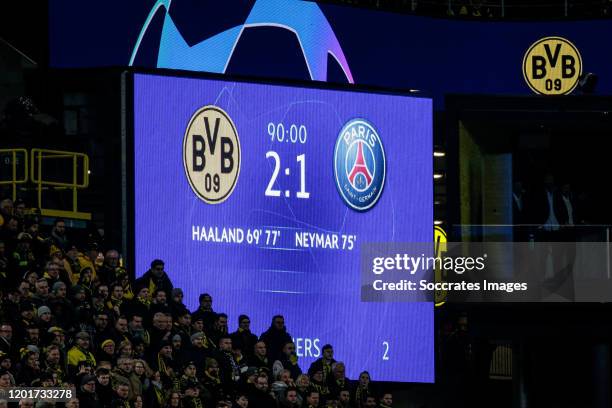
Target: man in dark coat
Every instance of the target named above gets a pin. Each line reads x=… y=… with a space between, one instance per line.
x=325 y=362
x=259 y=396
x=243 y=338
x=259 y=359
x=155 y=278
x=276 y=337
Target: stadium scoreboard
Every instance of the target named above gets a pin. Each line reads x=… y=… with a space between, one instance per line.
x=261 y=195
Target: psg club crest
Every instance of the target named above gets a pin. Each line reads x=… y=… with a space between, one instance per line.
x=359 y=164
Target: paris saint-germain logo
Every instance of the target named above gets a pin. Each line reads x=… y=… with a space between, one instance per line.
x=359 y=164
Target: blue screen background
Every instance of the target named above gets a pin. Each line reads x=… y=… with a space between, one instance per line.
x=317 y=290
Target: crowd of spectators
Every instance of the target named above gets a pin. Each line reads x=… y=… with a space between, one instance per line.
x=71 y=316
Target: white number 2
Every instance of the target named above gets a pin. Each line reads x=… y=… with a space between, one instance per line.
x=270 y=189
x=386 y=353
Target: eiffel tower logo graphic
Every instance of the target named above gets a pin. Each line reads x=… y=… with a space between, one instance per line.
x=359 y=167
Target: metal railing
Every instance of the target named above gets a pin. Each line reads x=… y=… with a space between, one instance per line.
x=14 y=180
x=41 y=158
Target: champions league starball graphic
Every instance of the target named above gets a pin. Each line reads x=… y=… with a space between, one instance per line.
x=305 y=19
x=359 y=164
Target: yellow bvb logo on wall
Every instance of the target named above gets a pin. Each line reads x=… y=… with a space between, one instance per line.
x=552 y=66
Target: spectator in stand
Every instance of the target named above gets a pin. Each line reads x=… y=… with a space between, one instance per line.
x=89 y=260
x=205 y=311
x=140 y=305
x=40 y=243
x=241 y=400
x=276 y=337
x=370 y=402
x=386 y=401
x=303 y=385
x=290 y=399
x=6 y=210
x=19 y=209
x=87 y=392
x=85 y=283
x=312 y=399
x=58 y=235
x=41 y=293
x=240 y=360
x=26 y=307
x=23 y=259
x=165 y=364
x=212 y=381
x=9 y=308
x=102 y=329
x=174 y=401
x=219 y=328
x=124 y=373
x=61 y=307
x=44 y=319
x=80 y=352
x=6 y=339
x=71 y=264
x=106 y=351
x=259 y=358
x=104 y=389
x=156 y=278
x=10 y=233
x=177 y=307
x=282 y=383
x=102 y=292
x=363 y=390
x=228 y=368
x=324 y=362
x=344 y=399
x=120 y=398
x=116 y=299
x=338 y=381
x=288 y=361
x=318 y=383
x=198 y=350
x=155 y=395
x=30 y=368
x=53 y=364
x=243 y=336
x=182 y=325
x=260 y=396
x=136 y=330
x=159 y=302
x=72 y=403
x=32 y=336
x=191 y=395
x=124 y=280
x=189 y=374
x=5 y=379
x=53 y=274
x=110 y=269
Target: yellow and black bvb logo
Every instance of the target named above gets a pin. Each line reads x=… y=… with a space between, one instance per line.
x=552 y=66
x=440 y=248
x=211 y=154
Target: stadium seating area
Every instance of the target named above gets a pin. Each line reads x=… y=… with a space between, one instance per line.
x=71 y=316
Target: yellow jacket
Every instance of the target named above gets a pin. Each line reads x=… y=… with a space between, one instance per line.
x=76 y=355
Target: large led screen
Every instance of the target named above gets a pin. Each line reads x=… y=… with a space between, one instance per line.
x=261 y=196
